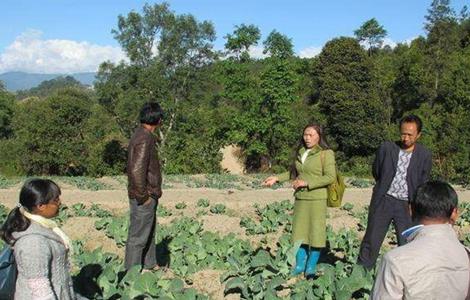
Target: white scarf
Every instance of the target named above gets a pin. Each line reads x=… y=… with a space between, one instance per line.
x=48 y=223
x=304 y=156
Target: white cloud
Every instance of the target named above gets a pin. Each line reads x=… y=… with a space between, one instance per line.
x=409 y=40
x=309 y=52
x=389 y=42
x=256 y=52
x=30 y=53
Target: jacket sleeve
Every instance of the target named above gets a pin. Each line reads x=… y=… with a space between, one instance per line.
x=427 y=167
x=329 y=173
x=33 y=258
x=378 y=162
x=283 y=176
x=389 y=283
x=138 y=170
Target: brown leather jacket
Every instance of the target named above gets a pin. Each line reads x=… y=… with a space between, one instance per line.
x=143 y=167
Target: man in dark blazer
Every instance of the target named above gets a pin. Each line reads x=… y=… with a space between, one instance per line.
x=399 y=168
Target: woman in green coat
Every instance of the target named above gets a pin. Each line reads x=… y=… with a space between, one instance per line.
x=313 y=169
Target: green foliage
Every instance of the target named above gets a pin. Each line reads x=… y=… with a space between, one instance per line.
x=464 y=215
x=242 y=38
x=115 y=228
x=347 y=207
x=84 y=183
x=203 y=202
x=110 y=281
x=260 y=275
x=180 y=205
x=48 y=87
x=371 y=33
x=271 y=217
x=278 y=45
x=192 y=250
x=3 y=213
x=218 y=209
x=8 y=182
x=345 y=84
x=6 y=112
x=344 y=241
x=107 y=153
x=162 y=211
x=259 y=105
x=49 y=133
x=361 y=183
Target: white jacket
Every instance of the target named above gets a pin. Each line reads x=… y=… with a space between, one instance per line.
x=433 y=265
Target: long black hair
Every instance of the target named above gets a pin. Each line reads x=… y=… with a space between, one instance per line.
x=33 y=193
x=322 y=143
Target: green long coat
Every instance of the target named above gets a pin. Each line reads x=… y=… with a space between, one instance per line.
x=309 y=223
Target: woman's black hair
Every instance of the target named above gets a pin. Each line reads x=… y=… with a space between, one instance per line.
x=33 y=193
x=322 y=143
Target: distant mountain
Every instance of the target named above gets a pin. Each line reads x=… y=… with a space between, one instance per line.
x=23 y=81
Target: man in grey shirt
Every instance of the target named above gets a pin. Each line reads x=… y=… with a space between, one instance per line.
x=433 y=264
x=399 y=168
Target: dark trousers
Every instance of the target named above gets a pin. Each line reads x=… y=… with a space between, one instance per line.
x=140 y=245
x=381 y=214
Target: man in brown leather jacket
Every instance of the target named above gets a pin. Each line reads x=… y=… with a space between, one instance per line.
x=144 y=189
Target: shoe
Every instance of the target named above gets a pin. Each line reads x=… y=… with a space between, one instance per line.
x=300 y=261
x=312 y=262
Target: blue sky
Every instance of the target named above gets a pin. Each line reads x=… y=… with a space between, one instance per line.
x=51 y=36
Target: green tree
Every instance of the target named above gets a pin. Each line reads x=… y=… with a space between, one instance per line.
x=279 y=117
x=348 y=97
x=414 y=84
x=7 y=104
x=242 y=38
x=443 y=39
x=106 y=153
x=138 y=33
x=48 y=87
x=167 y=75
x=238 y=104
x=440 y=11
x=372 y=34
x=278 y=45
x=50 y=133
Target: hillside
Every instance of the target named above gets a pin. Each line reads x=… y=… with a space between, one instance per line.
x=15 y=81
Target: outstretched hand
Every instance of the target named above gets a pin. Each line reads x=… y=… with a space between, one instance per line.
x=270 y=181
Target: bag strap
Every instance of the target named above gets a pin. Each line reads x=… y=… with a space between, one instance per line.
x=468 y=292
x=322 y=159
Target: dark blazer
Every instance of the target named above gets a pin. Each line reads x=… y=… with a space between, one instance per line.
x=385 y=167
x=143 y=167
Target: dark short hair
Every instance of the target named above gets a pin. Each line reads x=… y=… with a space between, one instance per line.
x=151 y=113
x=412 y=119
x=434 y=200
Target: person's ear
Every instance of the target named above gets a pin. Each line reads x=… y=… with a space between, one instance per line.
x=454 y=216
x=41 y=207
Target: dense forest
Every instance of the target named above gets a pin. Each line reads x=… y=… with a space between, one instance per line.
x=356 y=87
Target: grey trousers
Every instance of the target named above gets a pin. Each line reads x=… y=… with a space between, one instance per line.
x=387 y=210
x=140 y=246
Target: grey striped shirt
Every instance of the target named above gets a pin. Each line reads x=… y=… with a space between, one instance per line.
x=399 y=186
